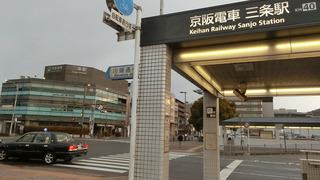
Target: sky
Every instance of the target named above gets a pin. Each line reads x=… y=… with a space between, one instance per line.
x=38 y=33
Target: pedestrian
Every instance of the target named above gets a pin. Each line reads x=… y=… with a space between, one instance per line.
x=180 y=138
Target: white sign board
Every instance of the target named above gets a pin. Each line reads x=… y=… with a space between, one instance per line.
x=7 y=106
x=119 y=19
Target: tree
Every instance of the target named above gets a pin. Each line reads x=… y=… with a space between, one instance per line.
x=196 y=118
x=227 y=110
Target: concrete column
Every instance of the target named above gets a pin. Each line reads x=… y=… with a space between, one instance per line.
x=211 y=159
x=153 y=114
x=278 y=128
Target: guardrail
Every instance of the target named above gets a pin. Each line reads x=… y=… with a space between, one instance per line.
x=230 y=149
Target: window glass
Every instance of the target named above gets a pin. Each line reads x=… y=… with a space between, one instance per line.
x=64 y=137
x=42 y=138
x=26 y=138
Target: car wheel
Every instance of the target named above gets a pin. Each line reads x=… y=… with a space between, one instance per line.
x=3 y=155
x=49 y=158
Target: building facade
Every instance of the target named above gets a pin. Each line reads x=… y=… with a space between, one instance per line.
x=254 y=107
x=282 y=112
x=182 y=115
x=60 y=99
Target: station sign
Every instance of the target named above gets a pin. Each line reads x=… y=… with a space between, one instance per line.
x=211 y=112
x=120 y=72
x=230 y=19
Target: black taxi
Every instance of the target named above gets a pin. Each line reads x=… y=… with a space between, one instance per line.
x=48 y=146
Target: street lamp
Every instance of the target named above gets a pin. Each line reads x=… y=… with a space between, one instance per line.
x=14 y=108
x=83 y=106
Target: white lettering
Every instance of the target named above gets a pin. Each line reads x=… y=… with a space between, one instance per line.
x=266 y=10
x=271 y=21
x=221 y=17
x=234 y=14
x=195 y=21
x=207 y=19
x=280 y=8
x=250 y=25
x=199 y=31
x=223 y=28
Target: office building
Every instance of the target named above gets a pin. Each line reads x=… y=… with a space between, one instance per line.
x=60 y=98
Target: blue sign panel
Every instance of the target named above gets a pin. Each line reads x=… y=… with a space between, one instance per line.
x=124 y=6
x=120 y=72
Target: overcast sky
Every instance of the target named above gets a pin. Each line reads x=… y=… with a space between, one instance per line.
x=38 y=33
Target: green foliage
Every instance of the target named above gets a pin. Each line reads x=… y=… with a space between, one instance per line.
x=196 y=118
x=66 y=129
x=106 y=133
x=227 y=110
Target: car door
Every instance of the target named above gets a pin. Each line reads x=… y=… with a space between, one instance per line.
x=21 y=146
x=40 y=144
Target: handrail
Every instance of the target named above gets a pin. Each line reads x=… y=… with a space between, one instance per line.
x=310 y=152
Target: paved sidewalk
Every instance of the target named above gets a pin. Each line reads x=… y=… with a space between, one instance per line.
x=9 y=172
x=186 y=146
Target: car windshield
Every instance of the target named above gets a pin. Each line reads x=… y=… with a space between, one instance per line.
x=64 y=137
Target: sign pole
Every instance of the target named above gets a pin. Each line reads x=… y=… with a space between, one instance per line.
x=247 y=126
x=161 y=6
x=135 y=93
x=248 y=141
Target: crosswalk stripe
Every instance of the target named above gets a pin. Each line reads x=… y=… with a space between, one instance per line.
x=111 y=160
x=108 y=157
x=118 y=163
x=100 y=165
x=91 y=168
x=121 y=141
x=103 y=162
x=120 y=155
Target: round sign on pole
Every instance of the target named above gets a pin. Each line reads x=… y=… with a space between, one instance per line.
x=125 y=7
x=246 y=125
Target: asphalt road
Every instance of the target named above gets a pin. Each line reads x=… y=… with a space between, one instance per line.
x=109 y=159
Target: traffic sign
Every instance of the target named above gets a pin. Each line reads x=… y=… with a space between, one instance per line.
x=107 y=20
x=246 y=125
x=125 y=7
x=120 y=72
x=121 y=21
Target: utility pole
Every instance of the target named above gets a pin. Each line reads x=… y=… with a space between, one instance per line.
x=185 y=106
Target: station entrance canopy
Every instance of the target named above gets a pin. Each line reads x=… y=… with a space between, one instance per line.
x=269 y=48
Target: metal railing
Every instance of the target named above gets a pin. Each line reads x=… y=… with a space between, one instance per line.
x=269 y=148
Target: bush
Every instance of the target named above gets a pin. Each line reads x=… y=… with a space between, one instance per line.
x=66 y=129
x=106 y=133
